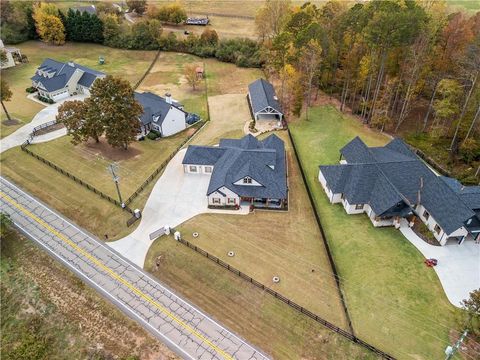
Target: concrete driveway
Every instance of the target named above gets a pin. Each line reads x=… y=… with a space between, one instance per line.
x=43 y=116
x=175 y=198
x=458 y=265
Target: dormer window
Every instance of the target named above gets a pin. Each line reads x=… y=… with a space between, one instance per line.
x=247 y=180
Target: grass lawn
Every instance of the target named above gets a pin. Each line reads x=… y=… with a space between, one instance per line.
x=167 y=76
x=395 y=301
x=274 y=327
x=90 y=161
x=128 y=64
x=292 y=249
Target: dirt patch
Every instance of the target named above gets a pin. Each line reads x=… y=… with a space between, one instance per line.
x=103 y=150
x=11 y=122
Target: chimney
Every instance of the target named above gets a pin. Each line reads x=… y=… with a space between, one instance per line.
x=168 y=98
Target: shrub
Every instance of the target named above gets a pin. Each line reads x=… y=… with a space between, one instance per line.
x=45 y=99
x=152 y=135
x=31 y=90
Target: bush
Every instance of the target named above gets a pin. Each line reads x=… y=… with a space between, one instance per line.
x=45 y=99
x=31 y=90
x=152 y=135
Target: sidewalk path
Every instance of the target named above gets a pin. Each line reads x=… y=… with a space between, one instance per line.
x=458 y=265
x=43 y=116
x=175 y=198
x=183 y=327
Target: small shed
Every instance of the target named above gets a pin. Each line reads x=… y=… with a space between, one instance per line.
x=263 y=102
x=200 y=72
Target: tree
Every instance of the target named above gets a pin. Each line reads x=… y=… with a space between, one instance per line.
x=145 y=34
x=80 y=120
x=139 y=6
x=5 y=224
x=5 y=95
x=113 y=102
x=111 y=30
x=190 y=73
x=472 y=308
x=209 y=37
x=446 y=107
x=271 y=17
x=49 y=27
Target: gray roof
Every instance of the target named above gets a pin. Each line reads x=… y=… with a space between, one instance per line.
x=154 y=106
x=389 y=179
x=89 y=9
x=262 y=95
x=62 y=72
x=235 y=159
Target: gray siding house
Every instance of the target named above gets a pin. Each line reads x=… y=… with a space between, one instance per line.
x=391 y=183
x=263 y=102
x=57 y=80
x=243 y=171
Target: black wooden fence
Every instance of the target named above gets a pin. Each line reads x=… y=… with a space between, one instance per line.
x=287 y=301
x=148 y=71
x=36 y=129
x=74 y=178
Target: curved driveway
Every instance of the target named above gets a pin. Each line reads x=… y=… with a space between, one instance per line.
x=43 y=116
x=175 y=198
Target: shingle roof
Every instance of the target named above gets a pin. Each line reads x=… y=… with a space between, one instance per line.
x=153 y=106
x=235 y=159
x=391 y=177
x=62 y=74
x=262 y=95
x=89 y=9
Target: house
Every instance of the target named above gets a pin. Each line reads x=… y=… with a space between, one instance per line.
x=391 y=183
x=91 y=9
x=13 y=56
x=243 y=171
x=57 y=80
x=263 y=102
x=164 y=115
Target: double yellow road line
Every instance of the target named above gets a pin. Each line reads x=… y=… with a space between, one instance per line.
x=115 y=276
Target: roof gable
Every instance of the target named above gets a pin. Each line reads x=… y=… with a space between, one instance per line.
x=262 y=95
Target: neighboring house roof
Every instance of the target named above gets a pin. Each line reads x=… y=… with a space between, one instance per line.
x=390 y=178
x=89 y=9
x=262 y=95
x=235 y=159
x=62 y=72
x=154 y=106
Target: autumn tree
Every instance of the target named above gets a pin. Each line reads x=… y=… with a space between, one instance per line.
x=209 y=37
x=472 y=308
x=80 y=120
x=190 y=72
x=139 y=6
x=446 y=106
x=271 y=17
x=49 y=27
x=114 y=104
x=5 y=95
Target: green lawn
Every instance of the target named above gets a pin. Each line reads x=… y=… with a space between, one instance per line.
x=395 y=301
x=90 y=161
x=293 y=249
x=128 y=64
x=277 y=329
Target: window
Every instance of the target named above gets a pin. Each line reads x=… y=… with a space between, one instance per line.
x=216 y=201
x=193 y=168
x=247 y=180
x=426 y=215
x=359 y=207
x=437 y=229
x=208 y=169
x=231 y=201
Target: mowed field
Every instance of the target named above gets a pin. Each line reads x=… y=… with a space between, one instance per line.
x=130 y=65
x=275 y=243
x=395 y=301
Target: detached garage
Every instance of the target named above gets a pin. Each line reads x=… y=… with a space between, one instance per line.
x=263 y=101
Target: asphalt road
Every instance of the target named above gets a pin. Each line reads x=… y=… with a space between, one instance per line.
x=185 y=329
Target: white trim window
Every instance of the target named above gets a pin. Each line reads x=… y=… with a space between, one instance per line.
x=359 y=207
x=192 y=168
x=426 y=215
x=247 y=180
x=231 y=201
x=216 y=201
x=208 y=169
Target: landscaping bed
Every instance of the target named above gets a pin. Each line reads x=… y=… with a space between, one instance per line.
x=395 y=302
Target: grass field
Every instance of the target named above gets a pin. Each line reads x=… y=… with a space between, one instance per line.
x=395 y=301
x=292 y=249
x=274 y=327
x=130 y=65
x=90 y=161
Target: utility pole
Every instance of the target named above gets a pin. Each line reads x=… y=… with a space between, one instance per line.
x=113 y=170
x=450 y=351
